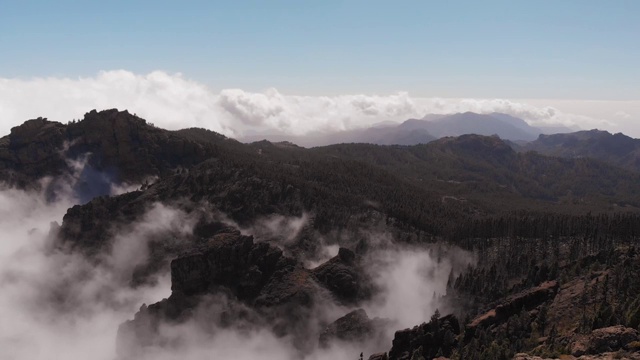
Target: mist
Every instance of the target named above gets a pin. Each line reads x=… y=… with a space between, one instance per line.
x=60 y=304
x=410 y=284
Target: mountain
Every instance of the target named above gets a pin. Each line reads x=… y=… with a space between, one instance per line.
x=505 y=126
x=617 y=149
x=110 y=147
x=486 y=171
x=418 y=131
x=324 y=248
x=385 y=134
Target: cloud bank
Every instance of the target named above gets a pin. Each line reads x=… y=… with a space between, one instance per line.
x=172 y=101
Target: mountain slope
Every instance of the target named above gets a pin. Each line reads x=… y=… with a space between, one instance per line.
x=617 y=149
x=505 y=126
x=108 y=146
x=551 y=242
x=485 y=170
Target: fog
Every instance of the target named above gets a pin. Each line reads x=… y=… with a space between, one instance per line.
x=410 y=283
x=58 y=304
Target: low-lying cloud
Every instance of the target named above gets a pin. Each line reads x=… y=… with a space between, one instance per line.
x=61 y=305
x=56 y=304
x=172 y=101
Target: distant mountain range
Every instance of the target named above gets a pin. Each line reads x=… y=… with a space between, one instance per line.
x=422 y=131
x=615 y=149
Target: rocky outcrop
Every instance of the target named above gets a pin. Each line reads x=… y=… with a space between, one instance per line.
x=122 y=148
x=343 y=276
x=435 y=338
x=379 y=356
x=602 y=340
x=31 y=151
x=257 y=273
x=259 y=285
x=528 y=300
x=356 y=326
x=603 y=356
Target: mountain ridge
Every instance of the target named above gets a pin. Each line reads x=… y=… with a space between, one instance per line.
x=546 y=231
x=418 y=131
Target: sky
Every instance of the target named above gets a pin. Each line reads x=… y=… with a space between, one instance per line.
x=578 y=57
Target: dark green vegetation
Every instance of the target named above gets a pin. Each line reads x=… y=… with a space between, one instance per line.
x=617 y=149
x=556 y=237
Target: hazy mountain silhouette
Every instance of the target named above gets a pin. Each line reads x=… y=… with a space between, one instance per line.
x=420 y=131
x=617 y=149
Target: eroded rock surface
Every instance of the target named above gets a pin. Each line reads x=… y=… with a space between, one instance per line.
x=429 y=340
x=603 y=340
x=528 y=299
x=355 y=326
x=256 y=284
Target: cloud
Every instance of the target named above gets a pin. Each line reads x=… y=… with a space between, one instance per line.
x=172 y=101
x=252 y=109
x=56 y=304
x=60 y=305
x=169 y=100
x=622 y=114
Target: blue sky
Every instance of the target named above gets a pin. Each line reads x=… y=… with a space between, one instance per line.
x=513 y=49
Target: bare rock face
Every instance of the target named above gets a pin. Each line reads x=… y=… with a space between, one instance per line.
x=528 y=299
x=603 y=356
x=429 y=340
x=343 y=276
x=603 y=340
x=379 y=356
x=259 y=285
x=355 y=326
x=225 y=258
x=31 y=151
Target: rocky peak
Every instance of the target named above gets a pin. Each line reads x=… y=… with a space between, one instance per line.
x=428 y=340
x=344 y=277
x=355 y=326
x=119 y=146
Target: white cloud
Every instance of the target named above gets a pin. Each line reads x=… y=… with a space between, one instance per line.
x=172 y=101
x=57 y=305
x=622 y=114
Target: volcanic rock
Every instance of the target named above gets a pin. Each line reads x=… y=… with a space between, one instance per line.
x=602 y=340
x=256 y=282
x=355 y=326
x=527 y=299
x=343 y=276
x=426 y=340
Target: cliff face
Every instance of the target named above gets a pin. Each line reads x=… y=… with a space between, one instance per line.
x=31 y=151
x=262 y=287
